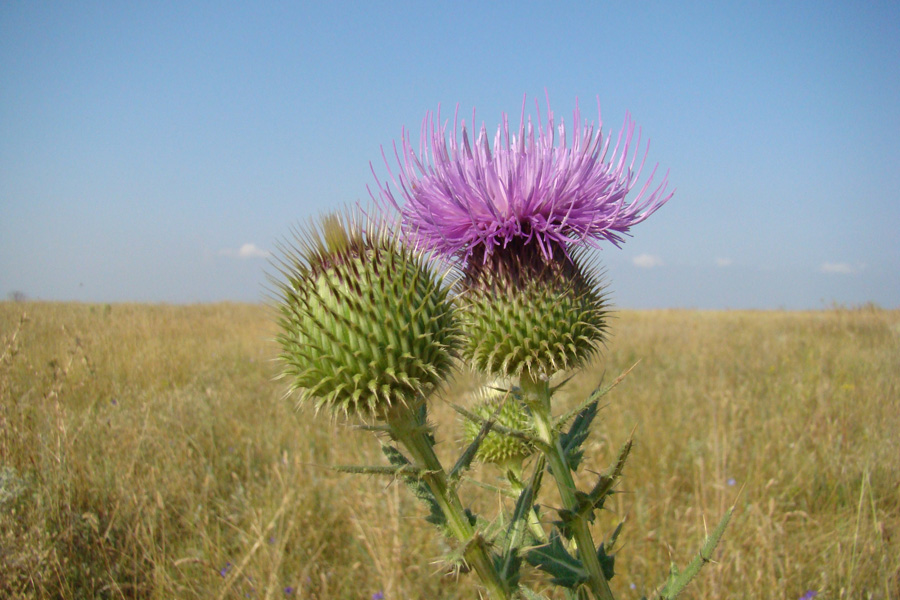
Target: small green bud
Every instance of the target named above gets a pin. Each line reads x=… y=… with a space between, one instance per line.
x=365 y=323
x=500 y=449
x=524 y=314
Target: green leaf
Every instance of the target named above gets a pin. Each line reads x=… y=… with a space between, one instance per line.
x=511 y=559
x=468 y=455
x=529 y=595
x=393 y=471
x=595 y=396
x=587 y=503
x=471 y=517
x=678 y=580
x=418 y=487
x=608 y=561
x=553 y=558
x=508 y=567
x=573 y=439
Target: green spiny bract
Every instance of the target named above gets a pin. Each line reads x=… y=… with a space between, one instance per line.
x=525 y=315
x=366 y=324
x=498 y=448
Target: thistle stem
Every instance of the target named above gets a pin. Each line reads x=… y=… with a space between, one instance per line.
x=537 y=394
x=517 y=486
x=413 y=435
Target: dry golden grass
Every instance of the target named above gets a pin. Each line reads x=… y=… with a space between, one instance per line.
x=146 y=452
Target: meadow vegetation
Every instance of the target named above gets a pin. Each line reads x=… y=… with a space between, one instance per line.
x=147 y=452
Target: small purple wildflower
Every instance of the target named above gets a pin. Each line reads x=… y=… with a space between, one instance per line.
x=731 y=482
x=809 y=595
x=224 y=570
x=378 y=596
x=288 y=591
x=470 y=199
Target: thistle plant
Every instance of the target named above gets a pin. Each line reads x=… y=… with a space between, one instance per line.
x=371 y=328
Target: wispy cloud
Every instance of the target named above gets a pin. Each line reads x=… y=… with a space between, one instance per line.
x=840 y=268
x=248 y=250
x=723 y=262
x=647 y=261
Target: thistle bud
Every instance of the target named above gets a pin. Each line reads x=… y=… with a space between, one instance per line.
x=525 y=314
x=365 y=324
x=498 y=448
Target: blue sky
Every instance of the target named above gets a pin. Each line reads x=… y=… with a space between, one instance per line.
x=154 y=151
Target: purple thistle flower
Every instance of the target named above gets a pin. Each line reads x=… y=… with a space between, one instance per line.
x=463 y=199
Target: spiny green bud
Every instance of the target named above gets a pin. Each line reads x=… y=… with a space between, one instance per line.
x=498 y=448
x=365 y=324
x=523 y=314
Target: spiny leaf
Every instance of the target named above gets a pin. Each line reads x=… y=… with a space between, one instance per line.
x=493 y=531
x=393 y=471
x=553 y=558
x=529 y=595
x=509 y=569
x=587 y=503
x=678 y=581
x=374 y=428
x=595 y=396
x=418 y=487
x=468 y=455
x=472 y=517
x=608 y=561
x=457 y=557
x=502 y=491
x=464 y=462
x=573 y=439
x=511 y=559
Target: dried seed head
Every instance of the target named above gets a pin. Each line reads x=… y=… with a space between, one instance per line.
x=365 y=323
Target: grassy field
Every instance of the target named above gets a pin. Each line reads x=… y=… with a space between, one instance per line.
x=147 y=452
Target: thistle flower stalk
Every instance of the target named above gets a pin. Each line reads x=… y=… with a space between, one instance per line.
x=413 y=435
x=537 y=394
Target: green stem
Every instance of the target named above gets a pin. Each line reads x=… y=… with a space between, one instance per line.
x=414 y=437
x=537 y=394
x=517 y=486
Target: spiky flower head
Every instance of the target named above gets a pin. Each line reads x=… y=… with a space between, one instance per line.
x=466 y=199
x=524 y=315
x=499 y=448
x=365 y=325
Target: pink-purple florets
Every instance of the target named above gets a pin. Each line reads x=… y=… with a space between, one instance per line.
x=460 y=199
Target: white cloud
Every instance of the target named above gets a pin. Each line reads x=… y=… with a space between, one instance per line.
x=723 y=262
x=247 y=250
x=647 y=261
x=840 y=268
